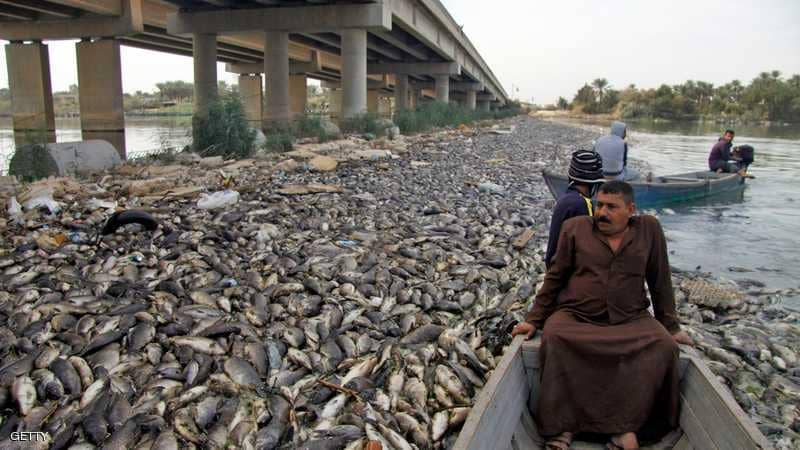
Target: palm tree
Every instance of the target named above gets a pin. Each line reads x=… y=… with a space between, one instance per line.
x=600 y=84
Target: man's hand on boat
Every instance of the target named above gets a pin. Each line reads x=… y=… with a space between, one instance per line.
x=682 y=338
x=528 y=329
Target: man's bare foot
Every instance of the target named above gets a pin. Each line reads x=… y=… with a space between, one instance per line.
x=624 y=441
x=560 y=442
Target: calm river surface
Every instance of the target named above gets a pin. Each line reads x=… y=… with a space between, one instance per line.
x=753 y=238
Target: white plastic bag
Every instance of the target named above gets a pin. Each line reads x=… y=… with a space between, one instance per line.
x=95 y=203
x=43 y=197
x=218 y=199
x=14 y=210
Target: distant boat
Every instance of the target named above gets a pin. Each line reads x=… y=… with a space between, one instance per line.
x=662 y=191
x=502 y=415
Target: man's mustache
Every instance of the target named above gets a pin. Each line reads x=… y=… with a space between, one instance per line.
x=603 y=219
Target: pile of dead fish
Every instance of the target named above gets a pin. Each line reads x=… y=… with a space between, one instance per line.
x=372 y=311
x=750 y=341
x=324 y=306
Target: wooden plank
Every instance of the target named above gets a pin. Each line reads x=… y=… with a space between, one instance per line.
x=526 y=436
x=530 y=352
x=727 y=425
x=683 y=444
x=693 y=428
x=499 y=405
x=522 y=240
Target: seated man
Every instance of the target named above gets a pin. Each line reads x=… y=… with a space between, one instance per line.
x=607 y=365
x=585 y=176
x=614 y=151
x=719 y=160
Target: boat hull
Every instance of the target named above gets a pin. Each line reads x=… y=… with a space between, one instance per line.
x=668 y=190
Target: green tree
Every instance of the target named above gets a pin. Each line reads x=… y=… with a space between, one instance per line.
x=562 y=103
x=600 y=84
x=175 y=90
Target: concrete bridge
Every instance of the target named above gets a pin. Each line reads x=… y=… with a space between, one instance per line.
x=363 y=49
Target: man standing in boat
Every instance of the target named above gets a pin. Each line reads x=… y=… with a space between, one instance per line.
x=608 y=366
x=614 y=150
x=720 y=159
x=585 y=175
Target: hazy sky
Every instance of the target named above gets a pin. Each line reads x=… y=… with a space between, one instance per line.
x=550 y=48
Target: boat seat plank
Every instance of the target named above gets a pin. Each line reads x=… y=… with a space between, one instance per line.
x=726 y=423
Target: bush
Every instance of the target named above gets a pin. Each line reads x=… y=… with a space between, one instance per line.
x=362 y=124
x=279 y=141
x=437 y=114
x=224 y=131
x=312 y=126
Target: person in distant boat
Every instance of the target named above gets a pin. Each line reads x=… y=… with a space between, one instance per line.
x=720 y=159
x=585 y=175
x=614 y=151
x=607 y=365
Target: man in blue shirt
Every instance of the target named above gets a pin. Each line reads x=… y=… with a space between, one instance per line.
x=585 y=176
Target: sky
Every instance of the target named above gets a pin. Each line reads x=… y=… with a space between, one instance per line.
x=540 y=50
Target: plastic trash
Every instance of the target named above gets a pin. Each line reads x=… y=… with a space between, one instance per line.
x=218 y=199
x=43 y=198
x=95 y=203
x=347 y=243
x=14 y=210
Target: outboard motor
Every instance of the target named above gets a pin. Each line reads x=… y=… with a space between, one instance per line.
x=746 y=154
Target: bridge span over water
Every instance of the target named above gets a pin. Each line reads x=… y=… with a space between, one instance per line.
x=365 y=50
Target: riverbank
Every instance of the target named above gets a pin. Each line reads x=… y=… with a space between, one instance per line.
x=341 y=273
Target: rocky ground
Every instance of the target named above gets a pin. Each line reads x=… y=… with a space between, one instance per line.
x=345 y=292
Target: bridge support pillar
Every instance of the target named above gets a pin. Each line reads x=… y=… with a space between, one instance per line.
x=31 y=93
x=373 y=101
x=276 y=72
x=354 y=72
x=204 y=51
x=401 y=92
x=483 y=105
x=442 y=87
x=251 y=92
x=298 y=94
x=100 y=92
x=472 y=97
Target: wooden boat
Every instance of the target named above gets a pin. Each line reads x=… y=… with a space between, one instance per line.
x=502 y=416
x=661 y=191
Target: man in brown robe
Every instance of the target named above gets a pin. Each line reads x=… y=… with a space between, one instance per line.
x=607 y=365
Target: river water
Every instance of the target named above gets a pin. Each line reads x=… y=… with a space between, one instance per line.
x=754 y=237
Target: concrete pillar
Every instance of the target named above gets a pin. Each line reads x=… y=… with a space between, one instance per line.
x=354 y=73
x=31 y=93
x=276 y=72
x=204 y=51
x=251 y=92
x=100 y=92
x=335 y=101
x=401 y=92
x=373 y=102
x=484 y=105
x=442 y=86
x=298 y=94
x=472 y=97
